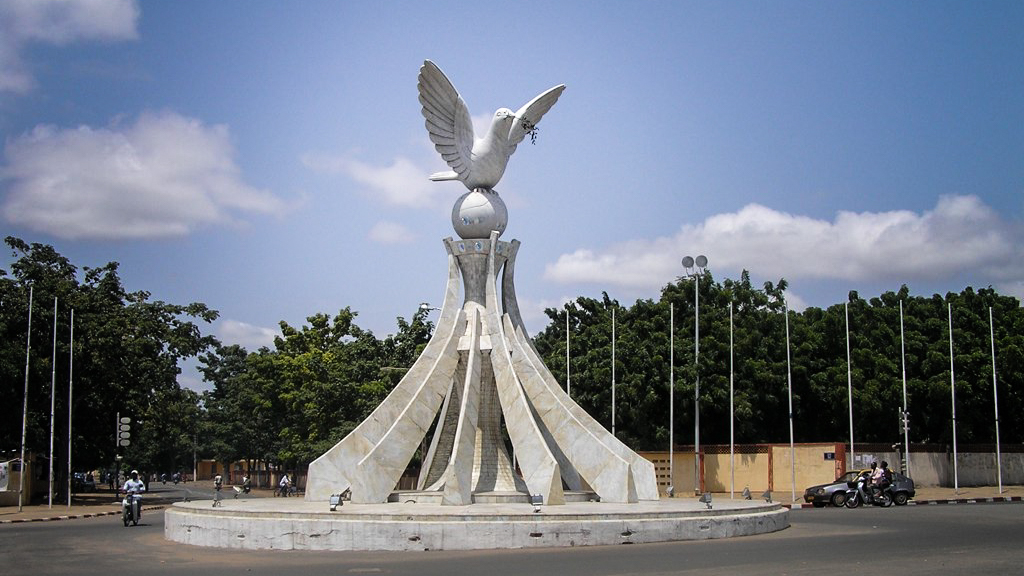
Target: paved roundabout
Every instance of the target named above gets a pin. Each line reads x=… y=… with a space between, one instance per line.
x=294 y=524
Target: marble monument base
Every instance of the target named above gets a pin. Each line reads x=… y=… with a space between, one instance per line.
x=294 y=524
x=431 y=497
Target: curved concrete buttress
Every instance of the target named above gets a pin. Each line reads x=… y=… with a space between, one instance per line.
x=540 y=469
x=644 y=478
x=332 y=472
x=458 y=478
x=608 y=474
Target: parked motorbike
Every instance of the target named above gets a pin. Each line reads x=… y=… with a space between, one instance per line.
x=131 y=509
x=860 y=493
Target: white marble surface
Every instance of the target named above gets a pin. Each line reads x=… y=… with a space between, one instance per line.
x=476 y=162
x=292 y=524
x=458 y=479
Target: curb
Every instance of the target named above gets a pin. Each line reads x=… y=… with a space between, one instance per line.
x=934 y=502
x=74 y=516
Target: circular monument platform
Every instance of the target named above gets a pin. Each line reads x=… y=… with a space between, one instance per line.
x=294 y=524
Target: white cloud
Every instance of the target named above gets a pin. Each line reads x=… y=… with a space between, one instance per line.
x=246 y=335
x=391 y=233
x=403 y=183
x=533 y=314
x=57 y=22
x=960 y=233
x=162 y=176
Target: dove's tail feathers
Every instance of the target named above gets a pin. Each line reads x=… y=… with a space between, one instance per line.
x=450 y=175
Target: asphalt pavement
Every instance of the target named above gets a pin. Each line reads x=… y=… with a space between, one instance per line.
x=981 y=539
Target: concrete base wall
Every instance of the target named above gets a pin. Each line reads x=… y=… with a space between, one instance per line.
x=405 y=529
x=972 y=469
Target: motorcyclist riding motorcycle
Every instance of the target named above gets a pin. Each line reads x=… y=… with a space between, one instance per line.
x=131 y=506
x=862 y=491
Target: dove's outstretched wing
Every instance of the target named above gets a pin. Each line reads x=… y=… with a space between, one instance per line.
x=447 y=118
x=530 y=114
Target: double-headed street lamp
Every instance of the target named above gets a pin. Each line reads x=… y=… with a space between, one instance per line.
x=694 y=269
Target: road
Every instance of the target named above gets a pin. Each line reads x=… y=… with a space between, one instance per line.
x=979 y=539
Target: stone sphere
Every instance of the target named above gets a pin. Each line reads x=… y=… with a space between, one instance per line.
x=478 y=212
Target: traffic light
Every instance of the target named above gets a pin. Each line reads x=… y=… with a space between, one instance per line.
x=124 y=431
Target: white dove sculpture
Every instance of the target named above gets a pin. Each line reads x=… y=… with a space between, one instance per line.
x=477 y=162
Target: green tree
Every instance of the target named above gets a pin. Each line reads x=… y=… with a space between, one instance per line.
x=125 y=360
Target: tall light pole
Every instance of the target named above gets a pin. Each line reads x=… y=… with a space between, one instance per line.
x=906 y=423
x=789 y=388
x=53 y=402
x=995 y=399
x=849 y=384
x=71 y=366
x=671 y=395
x=952 y=391
x=732 y=417
x=568 y=381
x=613 y=370
x=694 y=268
x=24 y=414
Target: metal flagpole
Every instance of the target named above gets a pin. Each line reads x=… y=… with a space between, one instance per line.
x=906 y=424
x=732 y=418
x=24 y=414
x=568 y=385
x=671 y=393
x=613 y=371
x=53 y=399
x=71 y=361
x=789 y=387
x=995 y=399
x=952 y=391
x=849 y=385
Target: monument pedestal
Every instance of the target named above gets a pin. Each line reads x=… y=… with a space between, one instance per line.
x=292 y=524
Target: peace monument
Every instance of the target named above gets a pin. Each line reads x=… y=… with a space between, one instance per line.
x=478 y=387
x=479 y=378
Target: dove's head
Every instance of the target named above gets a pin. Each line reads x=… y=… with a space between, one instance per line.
x=503 y=118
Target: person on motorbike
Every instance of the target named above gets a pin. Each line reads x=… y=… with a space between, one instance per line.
x=885 y=479
x=246 y=484
x=285 y=485
x=134 y=486
x=874 y=477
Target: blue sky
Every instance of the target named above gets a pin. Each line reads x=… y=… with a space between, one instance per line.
x=269 y=159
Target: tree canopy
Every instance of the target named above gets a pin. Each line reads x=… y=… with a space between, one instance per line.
x=818 y=364
x=124 y=361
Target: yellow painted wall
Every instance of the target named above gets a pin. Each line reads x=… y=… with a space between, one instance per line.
x=751 y=472
x=682 y=471
x=759 y=472
x=811 y=467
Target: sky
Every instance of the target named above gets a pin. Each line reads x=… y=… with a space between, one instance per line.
x=270 y=160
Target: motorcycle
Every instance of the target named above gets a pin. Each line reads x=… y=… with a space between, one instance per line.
x=859 y=493
x=131 y=509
